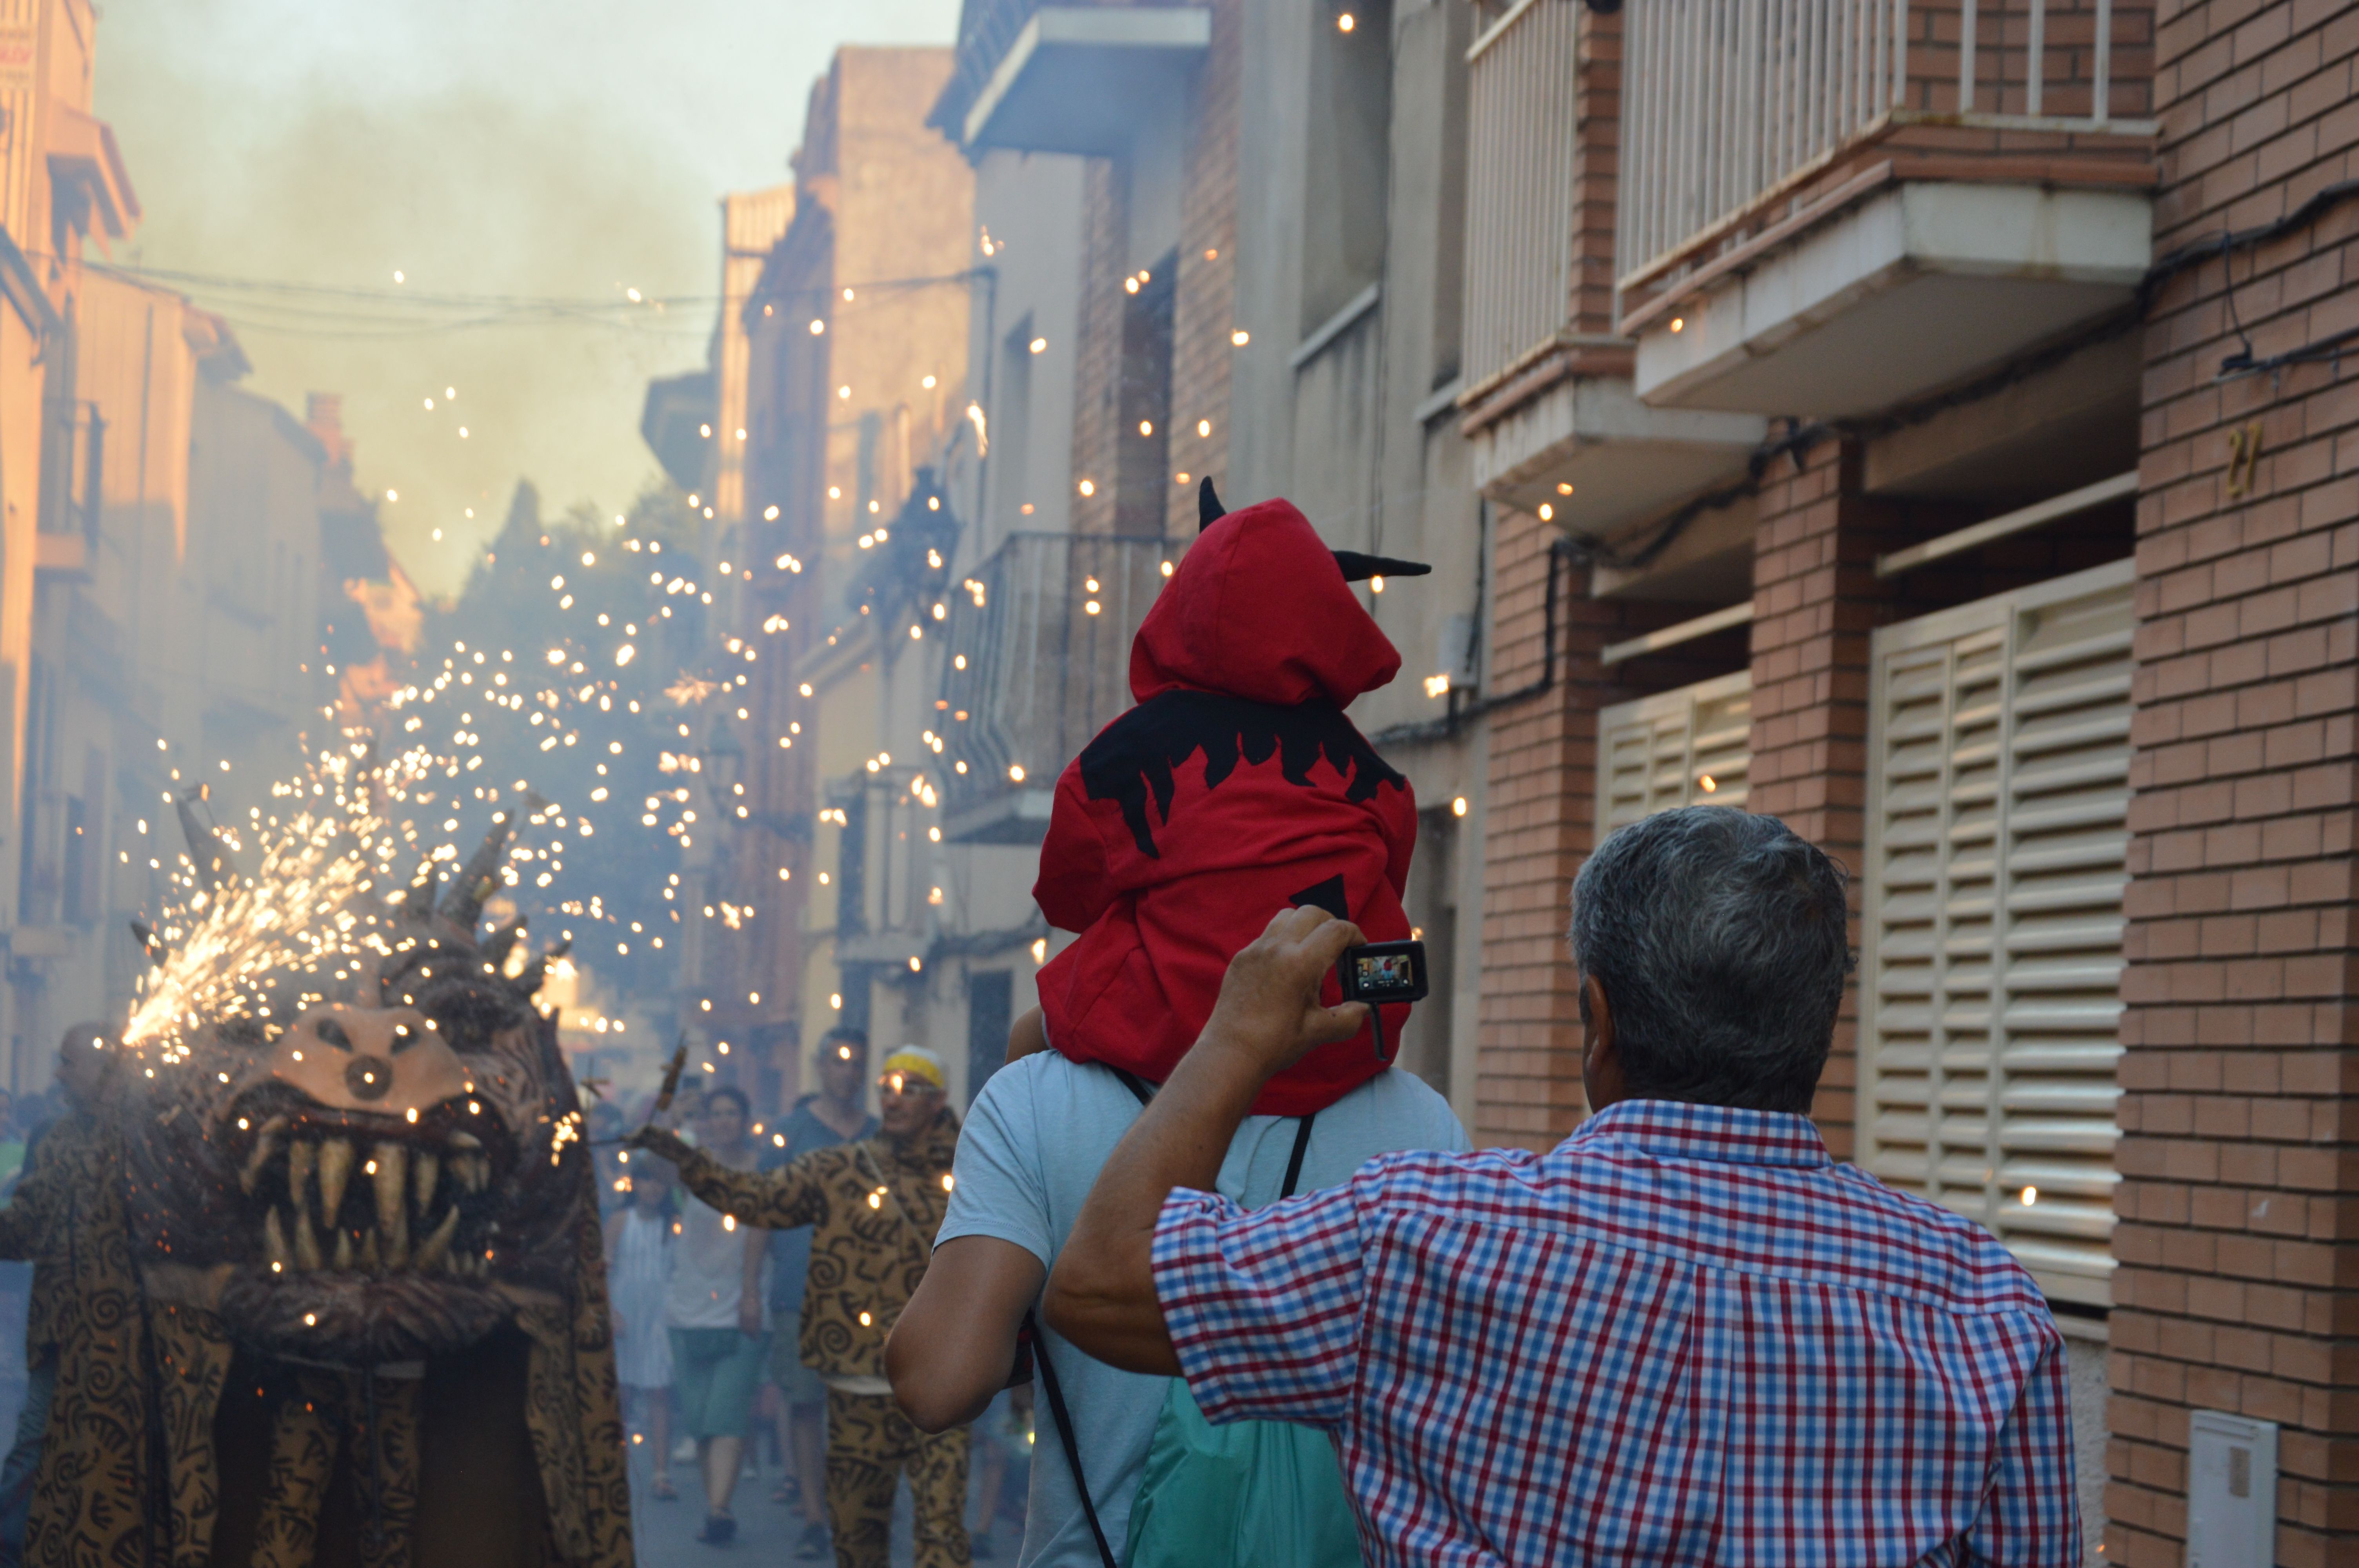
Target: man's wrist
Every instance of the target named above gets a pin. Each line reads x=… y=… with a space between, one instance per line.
x=1227 y=1057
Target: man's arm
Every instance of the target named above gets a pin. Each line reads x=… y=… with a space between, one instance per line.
x=1102 y=1292
x=782 y=1199
x=2031 y=1516
x=954 y=1344
x=27 y=1216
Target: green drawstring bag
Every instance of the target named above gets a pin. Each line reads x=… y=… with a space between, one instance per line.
x=1253 y=1493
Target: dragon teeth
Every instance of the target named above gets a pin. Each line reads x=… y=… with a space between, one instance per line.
x=266 y=1149
x=307 y=1243
x=335 y=1170
x=343 y=1251
x=392 y=1162
x=434 y=1252
x=371 y=1262
x=301 y=1157
x=425 y=1172
x=274 y=1241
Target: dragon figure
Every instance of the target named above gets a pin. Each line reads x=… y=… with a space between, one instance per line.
x=337 y=1284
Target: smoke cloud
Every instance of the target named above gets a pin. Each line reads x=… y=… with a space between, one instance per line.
x=540 y=152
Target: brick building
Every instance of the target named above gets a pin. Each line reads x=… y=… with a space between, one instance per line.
x=2028 y=590
x=1921 y=421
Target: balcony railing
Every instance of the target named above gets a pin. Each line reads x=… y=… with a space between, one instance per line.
x=1729 y=104
x=1040 y=640
x=1520 y=186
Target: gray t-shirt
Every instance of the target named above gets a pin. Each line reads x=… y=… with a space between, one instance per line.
x=1027 y=1157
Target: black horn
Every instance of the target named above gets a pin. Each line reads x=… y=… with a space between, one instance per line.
x=1358 y=567
x=1209 y=509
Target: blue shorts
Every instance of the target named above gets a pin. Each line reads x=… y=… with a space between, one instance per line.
x=714 y=1372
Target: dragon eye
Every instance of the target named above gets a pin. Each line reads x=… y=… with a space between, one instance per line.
x=333 y=1033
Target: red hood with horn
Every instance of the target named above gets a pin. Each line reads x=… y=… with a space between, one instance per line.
x=1235 y=788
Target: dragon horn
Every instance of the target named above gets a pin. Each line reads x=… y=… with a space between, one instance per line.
x=537 y=970
x=205 y=847
x=481 y=875
x=501 y=941
x=420 y=902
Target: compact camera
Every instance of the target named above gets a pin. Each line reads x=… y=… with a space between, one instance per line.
x=1379 y=974
x=1383 y=972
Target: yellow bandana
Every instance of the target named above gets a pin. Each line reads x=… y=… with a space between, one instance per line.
x=915 y=1062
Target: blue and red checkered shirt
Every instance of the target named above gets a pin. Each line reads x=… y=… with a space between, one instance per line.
x=1683 y=1336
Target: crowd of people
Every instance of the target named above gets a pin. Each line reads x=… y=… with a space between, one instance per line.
x=752 y=1281
x=1272 y=1325
x=1276 y=1332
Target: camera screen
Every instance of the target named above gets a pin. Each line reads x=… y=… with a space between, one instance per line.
x=1385 y=972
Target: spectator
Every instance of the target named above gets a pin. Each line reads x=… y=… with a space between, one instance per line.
x=72 y=1184
x=639 y=1240
x=1034 y=1141
x=720 y=1335
x=836 y=1113
x=1684 y=1333
x=875 y=1207
x=607 y=1131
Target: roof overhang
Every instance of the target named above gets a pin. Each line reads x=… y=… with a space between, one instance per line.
x=1078 y=77
x=83 y=159
x=1909 y=286
x=1599 y=459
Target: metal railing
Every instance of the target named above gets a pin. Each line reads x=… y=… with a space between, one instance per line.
x=1040 y=642
x=1520 y=184
x=1724 y=102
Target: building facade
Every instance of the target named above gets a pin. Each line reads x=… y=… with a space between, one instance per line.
x=834 y=379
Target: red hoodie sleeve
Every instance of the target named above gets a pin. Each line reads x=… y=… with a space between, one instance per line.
x=1072 y=890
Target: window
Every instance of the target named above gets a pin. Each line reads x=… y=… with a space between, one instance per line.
x=1348 y=154
x=990 y=1010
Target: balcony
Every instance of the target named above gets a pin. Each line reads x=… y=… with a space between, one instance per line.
x=1549 y=404
x=1833 y=206
x=1040 y=642
x=1069 y=78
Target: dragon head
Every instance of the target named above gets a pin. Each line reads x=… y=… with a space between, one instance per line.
x=347 y=1127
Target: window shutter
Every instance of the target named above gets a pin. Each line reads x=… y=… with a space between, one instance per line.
x=1998 y=792
x=1687 y=747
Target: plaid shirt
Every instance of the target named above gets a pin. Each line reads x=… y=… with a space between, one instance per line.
x=1684 y=1335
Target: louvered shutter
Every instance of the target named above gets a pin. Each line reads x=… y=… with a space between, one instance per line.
x=1687 y=747
x=1998 y=790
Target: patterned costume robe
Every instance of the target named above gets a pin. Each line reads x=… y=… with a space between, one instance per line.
x=873 y=1208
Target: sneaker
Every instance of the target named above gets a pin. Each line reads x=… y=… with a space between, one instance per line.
x=719 y=1529
x=814 y=1544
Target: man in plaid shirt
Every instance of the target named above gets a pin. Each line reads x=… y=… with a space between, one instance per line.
x=1683 y=1336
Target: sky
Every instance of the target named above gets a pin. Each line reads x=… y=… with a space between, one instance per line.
x=561 y=152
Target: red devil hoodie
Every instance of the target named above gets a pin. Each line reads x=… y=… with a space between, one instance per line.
x=1235 y=788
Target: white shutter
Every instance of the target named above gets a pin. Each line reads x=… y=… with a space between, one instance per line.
x=1998 y=792
x=1687 y=747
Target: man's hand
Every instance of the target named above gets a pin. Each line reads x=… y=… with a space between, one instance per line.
x=1268 y=1006
x=749 y=1316
x=662 y=1143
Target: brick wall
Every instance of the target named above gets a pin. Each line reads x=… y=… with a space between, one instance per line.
x=1541 y=795
x=2238 y=1111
